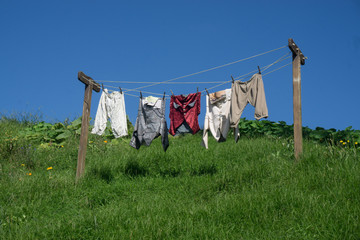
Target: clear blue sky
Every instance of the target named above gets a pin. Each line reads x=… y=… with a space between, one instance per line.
x=44 y=44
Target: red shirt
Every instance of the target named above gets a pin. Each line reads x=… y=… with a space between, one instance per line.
x=185 y=108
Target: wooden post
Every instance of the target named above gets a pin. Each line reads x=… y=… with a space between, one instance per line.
x=298 y=60
x=90 y=85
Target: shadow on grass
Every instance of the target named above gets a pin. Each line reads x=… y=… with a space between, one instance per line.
x=204 y=169
x=134 y=169
x=104 y=173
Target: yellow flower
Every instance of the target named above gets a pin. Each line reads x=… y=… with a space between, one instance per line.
x=341 y=141
x=348 y=140
x=62 y=145
x=356 y=143
x=344 y=143
x=49 y=168
x=105 y=141
x=23 y=165
x=29 y=174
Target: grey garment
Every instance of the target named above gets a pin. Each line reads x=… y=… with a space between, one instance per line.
x=150 y=123
x=243 y=93
x=183 y=128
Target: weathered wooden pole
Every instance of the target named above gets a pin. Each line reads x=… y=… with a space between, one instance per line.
x=298 y=60
x=90 y=85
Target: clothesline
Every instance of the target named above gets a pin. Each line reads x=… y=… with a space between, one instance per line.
x=244 y=76
x=159 y=82
x=224 y=65
x=206 y=70
x=203 y=91
x=277 y=69
x=236 y=78
x=130 y=90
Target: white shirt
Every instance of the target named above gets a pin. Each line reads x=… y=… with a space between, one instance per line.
x=217 y=117
x=111 y=105
x=152 y=101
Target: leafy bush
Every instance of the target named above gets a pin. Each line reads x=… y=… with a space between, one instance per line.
x=253 y=128
x=57 y=134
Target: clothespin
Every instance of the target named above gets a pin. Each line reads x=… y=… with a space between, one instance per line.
x=120 y=90
x=259 y=70
x=102 y=85
x=233 y=80
x=164 y=96
x=140 y=94
x=207 y=92
x=171 y=92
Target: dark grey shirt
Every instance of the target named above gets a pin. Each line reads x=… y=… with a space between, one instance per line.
x=150 y=123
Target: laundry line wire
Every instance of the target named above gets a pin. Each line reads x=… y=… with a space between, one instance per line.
x=159 y=82
x=282 y=58
x=130 y=90
x=133 y=95
x=203 y=91
x=277 y=69
x=286 y=56
x=263 y=69
x=192 y=74
x=213 y=68
x=211 y=82
x=239 y=78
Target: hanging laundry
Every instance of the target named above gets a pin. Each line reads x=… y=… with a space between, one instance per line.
x=184 y=111
x=243 y=93
x=217 y=117
x=150 y=123
x=111 y=105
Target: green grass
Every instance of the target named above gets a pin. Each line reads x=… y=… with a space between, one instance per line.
x=249 y=190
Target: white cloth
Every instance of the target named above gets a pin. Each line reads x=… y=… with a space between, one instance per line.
x=111 y=105
x=217 y=117
x=152 y=101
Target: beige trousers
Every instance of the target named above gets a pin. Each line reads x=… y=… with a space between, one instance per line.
x=243 y=93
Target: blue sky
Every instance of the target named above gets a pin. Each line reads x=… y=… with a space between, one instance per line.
x=44 y=44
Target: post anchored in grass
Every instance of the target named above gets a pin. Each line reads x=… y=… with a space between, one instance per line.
x=90 y=85
x=298 y=60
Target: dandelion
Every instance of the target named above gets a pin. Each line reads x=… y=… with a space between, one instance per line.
x=341 y=141
x=23 y=165
x=62 y=146
x=356 y=143
x=348 y=140
x=49 y=168
x=105 y=141
x=29 y=174
x=344 y=143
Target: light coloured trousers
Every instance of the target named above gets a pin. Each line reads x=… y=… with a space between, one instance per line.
x=243 y=93
x=111 y=105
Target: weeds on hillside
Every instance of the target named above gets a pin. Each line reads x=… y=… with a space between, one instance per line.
x=342 y=138
x=249 y=190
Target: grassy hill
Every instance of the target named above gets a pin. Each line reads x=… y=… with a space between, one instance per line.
x=249 y=190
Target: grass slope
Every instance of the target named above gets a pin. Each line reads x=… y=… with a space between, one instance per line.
x=249 y=190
